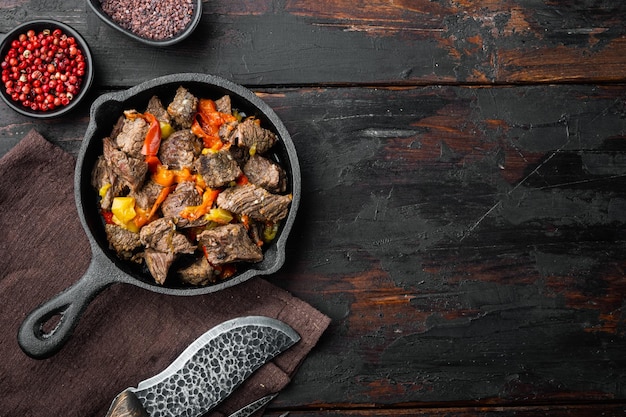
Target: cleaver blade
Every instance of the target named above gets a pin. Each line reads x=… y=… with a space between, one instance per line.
x=208 y=370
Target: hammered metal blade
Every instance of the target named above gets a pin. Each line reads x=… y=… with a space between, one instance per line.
x=213 y=366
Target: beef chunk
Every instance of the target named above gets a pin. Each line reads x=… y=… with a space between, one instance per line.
x=251 y=135
x=159 y=264
x=229 y=243
x=266 y=173
x=240 y=155
x=225 y=132
x=180 y=149
x=199 y=272
x=132 y=136
x=161 y=235
x=218 y=168
x=156 y=108
x=124 y=242
x=117 y=128
x=255 y=230
x=184 y=195
x=223 y=105
x=101 y=176
x=163 y=244
x=255 y=202
x=182 y=108
x=147 y=195
x=132 y=171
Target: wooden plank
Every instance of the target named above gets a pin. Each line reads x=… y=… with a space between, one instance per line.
x=548 y=411
x=264 y=43
x=493 y=411
x=467 y=242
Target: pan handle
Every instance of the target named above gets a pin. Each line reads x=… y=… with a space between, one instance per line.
x=67 y=306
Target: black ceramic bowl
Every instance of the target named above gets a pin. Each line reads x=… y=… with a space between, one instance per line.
x=179 y=36
x=106 y=268
x=39 y=26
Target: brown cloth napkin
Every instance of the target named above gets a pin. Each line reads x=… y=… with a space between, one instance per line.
x=127 y=334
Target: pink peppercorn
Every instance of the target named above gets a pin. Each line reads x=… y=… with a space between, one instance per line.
x=43 y=70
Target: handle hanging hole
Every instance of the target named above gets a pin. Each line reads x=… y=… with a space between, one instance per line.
x=50 y=325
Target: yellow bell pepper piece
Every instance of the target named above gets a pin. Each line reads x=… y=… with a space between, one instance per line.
x=166 y=129
x=103 y=190
x=219 y=215
x=269 y=232
x=123 y=209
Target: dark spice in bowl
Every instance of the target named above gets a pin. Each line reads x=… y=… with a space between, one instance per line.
x=149 y=19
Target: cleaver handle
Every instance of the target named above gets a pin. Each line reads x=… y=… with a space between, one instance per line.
x=126 y=404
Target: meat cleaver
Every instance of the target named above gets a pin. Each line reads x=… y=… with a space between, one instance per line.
x=208 y=370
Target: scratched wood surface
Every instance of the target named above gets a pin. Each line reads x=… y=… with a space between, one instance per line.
x=263 y=42
x=463 y=170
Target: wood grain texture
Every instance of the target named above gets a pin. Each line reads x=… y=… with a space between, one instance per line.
x=467 y=242
x=266 y=43
x=464 y=176
x=484 y=411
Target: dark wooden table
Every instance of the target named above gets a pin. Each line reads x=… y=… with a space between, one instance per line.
x=464 y=190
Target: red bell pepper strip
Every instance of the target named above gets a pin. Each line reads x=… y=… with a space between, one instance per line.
x=107 y=215
x=195 y=212
x=151 y=142
x=143 y=219
x=207 y=123
x=165 y=191
x=242 y=179
x=153 y=137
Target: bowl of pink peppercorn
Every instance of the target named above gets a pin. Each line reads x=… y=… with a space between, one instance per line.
x=46 y=69
x=154 y=23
